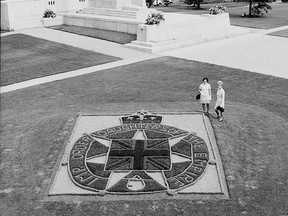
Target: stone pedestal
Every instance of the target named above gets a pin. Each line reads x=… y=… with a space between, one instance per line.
x=52 y=21
x=180 y=30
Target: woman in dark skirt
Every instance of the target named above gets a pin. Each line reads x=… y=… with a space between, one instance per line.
x=220 y=101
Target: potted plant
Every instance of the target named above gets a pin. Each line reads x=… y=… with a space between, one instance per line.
x=47 y=21
x=154 y=18
x=49 y=14
x=151 y=29
x=217 y=9
x=260 y=8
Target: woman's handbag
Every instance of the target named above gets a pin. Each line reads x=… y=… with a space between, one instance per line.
x=198 y=97
x=221 y=109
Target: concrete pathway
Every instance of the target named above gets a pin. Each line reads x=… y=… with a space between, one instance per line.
x=88 y=43
x=255 y=52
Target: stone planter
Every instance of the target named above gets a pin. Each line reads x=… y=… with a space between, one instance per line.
x=218 y=19
x=180 y=30
x=153 y=33
x=52 y=21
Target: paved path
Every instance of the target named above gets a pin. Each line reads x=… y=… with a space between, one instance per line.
x=255 y=52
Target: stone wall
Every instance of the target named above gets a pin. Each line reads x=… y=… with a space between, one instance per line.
x=16 y=14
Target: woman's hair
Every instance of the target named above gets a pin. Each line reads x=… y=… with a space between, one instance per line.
x=205 y=78
x=219 y=83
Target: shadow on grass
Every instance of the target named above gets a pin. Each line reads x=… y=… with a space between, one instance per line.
x=113 y=36
x=283 y=33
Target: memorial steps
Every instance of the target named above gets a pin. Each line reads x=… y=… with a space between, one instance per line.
x=124 y=12
x=109 y=12
x=183 y=40
x=123 y=20
x=178 y=30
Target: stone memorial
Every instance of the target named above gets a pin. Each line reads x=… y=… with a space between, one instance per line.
x=178 y=30
x=128 y=16
x=114 y=15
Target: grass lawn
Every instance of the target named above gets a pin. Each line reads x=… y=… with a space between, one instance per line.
x=117 y=37
x=252 y=139
x=35 y=57
x=180 y=7
x=275 y=18
x=283 y=33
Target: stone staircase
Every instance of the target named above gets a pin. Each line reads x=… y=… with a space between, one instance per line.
x=178 y=30
x=122 y=20
x=181 y=41
x=129 y=14
x=176 y=33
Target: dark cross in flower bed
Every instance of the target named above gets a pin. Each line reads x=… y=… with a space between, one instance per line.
x=138 y=148
x=139 y=155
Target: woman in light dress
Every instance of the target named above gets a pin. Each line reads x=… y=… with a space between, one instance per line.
x=220 y=101
x=205 y=95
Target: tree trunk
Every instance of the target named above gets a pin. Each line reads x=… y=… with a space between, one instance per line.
x=250 y=8
x=198 y=4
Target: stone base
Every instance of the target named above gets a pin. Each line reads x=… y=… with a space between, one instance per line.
x=26 y=23
x=52 y=21
x=124 y=20
x=179 y=30
x=102 y=22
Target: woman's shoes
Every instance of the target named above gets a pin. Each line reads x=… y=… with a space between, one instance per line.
x=221 y=119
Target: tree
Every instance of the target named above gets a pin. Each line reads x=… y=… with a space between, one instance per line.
x=149 y=3
x=194 y=2
x=258 y=7
x=198 y=2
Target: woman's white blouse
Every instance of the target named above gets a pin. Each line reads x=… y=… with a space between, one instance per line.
x=220 y=101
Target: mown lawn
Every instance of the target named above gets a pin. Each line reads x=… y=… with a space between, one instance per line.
x=113 y=36
x=35 y=57
x=274 y=18
x=181 y=7
x=283 y=33
x=252 y=139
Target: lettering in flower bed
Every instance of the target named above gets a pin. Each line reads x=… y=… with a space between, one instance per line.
x=137 y=147
x=141 y=154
